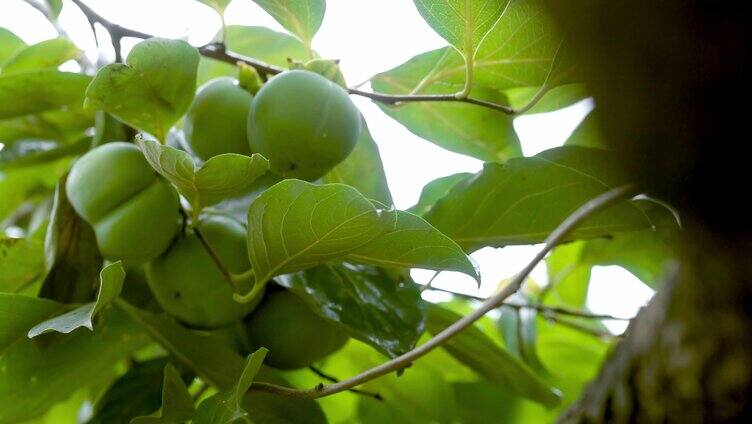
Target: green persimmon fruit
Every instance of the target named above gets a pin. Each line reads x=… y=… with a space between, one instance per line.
x=188 y=284
x=295 y=336
x=303 y=123
x=134 y=211
x=216 y=122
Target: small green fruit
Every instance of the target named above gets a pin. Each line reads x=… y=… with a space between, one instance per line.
x=187 y=283
x=295 y=336
x=134 y=212
x=216 y=122
x=303 y=123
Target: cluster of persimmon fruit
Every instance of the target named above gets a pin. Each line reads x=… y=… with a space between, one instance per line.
x=304 y=124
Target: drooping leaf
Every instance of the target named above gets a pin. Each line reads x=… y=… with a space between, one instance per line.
x=39 y=91
x=463 y=23
x=28 y=153
x=21 y=262
x=152 y=90
x=435 y=190
x=489 y=360
x=518 y=327
x=367 y=302
x=66 y=124
x=33 y=378
x=363 y=170
x=523 y=200
x=48 y=54
x=414 y=243
x=10 y=43
x=221 y=177
x=296 y=225
x=226 y=406
x=19 y=312
x=72 y=258
x=301 y=17
x=110 y=284
x=258 y=42
x=177 y=403
x=136 y=393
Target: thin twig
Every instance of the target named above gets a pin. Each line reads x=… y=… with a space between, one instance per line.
x=400 y=362
x=218 y=51
x=540 y=308
x=331 y=379
x=582 y=328
x=82 y=60
x=218 y=262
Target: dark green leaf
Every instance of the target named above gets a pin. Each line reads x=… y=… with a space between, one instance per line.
x=370 y=305
x=110 y=284
x=21 y=262
x=33 y=378
x=489 y=360
x=39 y=91
x=522 y=201
x=43 y=55
x=19 y=312
x=301 y=17
x=72 y=258
x=177 y=403
x=484 y=402
x=363 y=170
x=152 y=90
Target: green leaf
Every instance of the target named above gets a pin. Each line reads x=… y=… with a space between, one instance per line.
x=489 y=360
x=481 y=401
x=296 y=225
x=568 y=278
x=363 y=170
x=28 y=184
x=111 y=283
x=19 y=312
x=152 y=90
x=221 y=177
x=39 y=91
x=34 y=378
x=435 y=190
x=301 y=17
x=43 y=55
x=21 y=262
x=55 y=7
x=28 y=153
x=463 y=23
x=135 y=393
x=226 y=406
x=523 y=200
x=370 y=305
x=177 y=403
x=72 y=258
x=414 y=243
x=67 y=124
x=518 y=327
x=258 y=42
x=219 y=365
x=459 y=127
x=218 y=5
x=10 y=43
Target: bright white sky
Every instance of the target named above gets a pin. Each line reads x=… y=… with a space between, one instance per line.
x=368 y=37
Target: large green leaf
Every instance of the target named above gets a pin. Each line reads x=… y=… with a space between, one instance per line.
x=301 y=17
x=65 y=125
x=28 y=184
x=39 y=91
x=435 y=190
x=363 y=170
x=21 y=262
x=33 y=378
x=30 y=152
x=367 y=302
x=152 y=90
x=489 y=360
x=10 y=43
x=43 y=55
x=523 y=200
x=19 y=312
x=177 y=403
x=296 y=225
x=110 y=284
x=463 y=128
x=463 y=23
x=72 y=258
x=258 y=42
x=221 y=177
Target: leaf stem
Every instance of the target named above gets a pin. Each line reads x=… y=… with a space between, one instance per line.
x=218 y=262
x=557 y=236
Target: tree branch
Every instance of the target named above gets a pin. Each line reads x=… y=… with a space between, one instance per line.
x=219 y=52
x=402 y=361
x=331 y=379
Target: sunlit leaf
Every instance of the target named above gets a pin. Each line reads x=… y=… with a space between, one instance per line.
x=435 y=190
x=39 y=91
x=301 y=17
x=10 y=43
x=43 y=55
